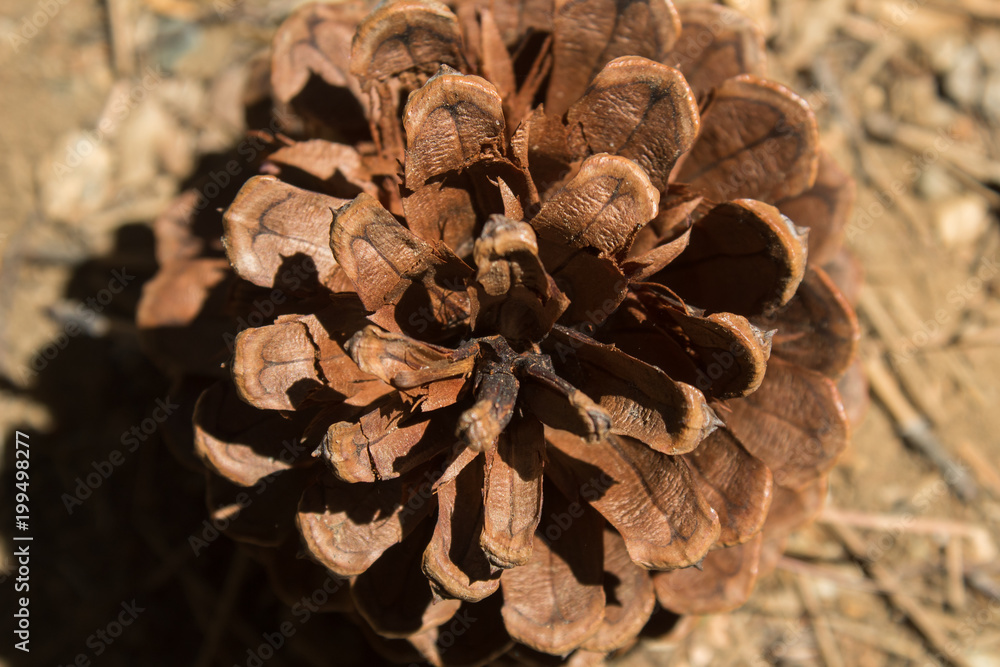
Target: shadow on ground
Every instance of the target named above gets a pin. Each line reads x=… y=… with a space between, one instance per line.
x=113 y=579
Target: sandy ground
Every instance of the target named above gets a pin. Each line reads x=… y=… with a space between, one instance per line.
x=108 y=108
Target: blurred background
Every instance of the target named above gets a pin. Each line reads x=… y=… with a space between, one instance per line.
x=108 y=108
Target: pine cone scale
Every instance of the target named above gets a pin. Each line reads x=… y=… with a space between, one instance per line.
x=737 y=485
x=641 y=110
x=556 y=600
x=758 y=140
x=454 y=562
x=648 y=497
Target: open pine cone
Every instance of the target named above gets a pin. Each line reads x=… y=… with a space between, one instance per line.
x=528 y=329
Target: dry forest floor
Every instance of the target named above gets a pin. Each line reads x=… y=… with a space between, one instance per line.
x=109 y=107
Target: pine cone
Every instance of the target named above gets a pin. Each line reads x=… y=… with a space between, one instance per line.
x=529 y=330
